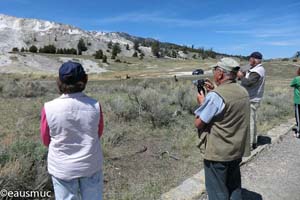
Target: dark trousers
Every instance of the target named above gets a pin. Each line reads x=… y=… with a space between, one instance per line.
x=223 y=180
x=297 y=116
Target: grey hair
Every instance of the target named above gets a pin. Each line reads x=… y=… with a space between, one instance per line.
x=230 y=74
x=257 y=60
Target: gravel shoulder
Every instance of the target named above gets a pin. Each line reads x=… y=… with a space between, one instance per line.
x=274 y=173
x=270 y=173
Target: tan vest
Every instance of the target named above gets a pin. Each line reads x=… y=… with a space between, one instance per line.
x=228 y=134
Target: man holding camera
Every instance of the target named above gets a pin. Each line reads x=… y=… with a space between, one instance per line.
x=223 y=122
x=253 y=80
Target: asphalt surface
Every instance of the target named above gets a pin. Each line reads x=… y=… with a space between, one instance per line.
x=274 y=174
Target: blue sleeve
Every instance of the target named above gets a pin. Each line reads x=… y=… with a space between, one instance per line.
x=212 y=106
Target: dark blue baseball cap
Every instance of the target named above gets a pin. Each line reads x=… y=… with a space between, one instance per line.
x=71 y=72
x=256 y=55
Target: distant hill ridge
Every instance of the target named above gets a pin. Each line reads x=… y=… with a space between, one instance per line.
x=23 y=33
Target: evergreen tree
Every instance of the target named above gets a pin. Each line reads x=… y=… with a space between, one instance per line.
x=136 y=45
x=155 y=49
x=174 y=54
x=109 y=45
x=33 y=49
x=59 y=51
x=104 y=59
x=22 y=49
x=135 y=54
x=73 y=51
x=49 y=49
x=211 y=53
x=127 y=46
x=81 y=46
x=142 y=56
x=99 y=54
x=15 y=49
x=115 y=50
x=185 y=49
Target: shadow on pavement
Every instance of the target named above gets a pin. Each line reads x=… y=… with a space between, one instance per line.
x=250 y=195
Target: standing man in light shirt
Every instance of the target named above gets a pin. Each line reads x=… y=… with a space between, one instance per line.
x=71 y=126
x=254 y=82
x=222 y=120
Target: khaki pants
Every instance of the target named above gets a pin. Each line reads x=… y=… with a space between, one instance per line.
x=253 y=130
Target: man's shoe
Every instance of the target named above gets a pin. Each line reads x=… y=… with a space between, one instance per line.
x=254 y=146
x=295 y=129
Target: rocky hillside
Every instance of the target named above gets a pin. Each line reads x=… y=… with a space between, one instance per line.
x=19 y=34
x=23 y=33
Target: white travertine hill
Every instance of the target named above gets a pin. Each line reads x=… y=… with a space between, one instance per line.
x=20 y=32
x=23 y=33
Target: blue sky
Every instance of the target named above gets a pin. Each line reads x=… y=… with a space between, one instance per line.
x=232 y=27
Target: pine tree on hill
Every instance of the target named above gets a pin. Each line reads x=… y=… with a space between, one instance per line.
x=33 y=49
x=115 y=50
x=99 y=54
x=81 y=46
x=155 y=49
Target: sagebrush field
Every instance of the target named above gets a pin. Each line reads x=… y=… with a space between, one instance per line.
x=149 y=140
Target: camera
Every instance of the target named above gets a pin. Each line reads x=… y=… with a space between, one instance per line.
x=200 y=84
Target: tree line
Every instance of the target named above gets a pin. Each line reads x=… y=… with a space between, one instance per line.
x=158 y=49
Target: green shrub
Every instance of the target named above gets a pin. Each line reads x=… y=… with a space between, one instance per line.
x=123 y=108
x=155 y=107
x=186 y=97
x=33 y=49
x=23 y=148
x=135 y=54
x=15 y=49
x=15 y=88
x=274 y=103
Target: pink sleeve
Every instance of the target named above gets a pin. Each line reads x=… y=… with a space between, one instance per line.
x=101 y=123
x=44 y=129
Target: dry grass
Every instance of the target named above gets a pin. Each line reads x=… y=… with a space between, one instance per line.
x=143 y=157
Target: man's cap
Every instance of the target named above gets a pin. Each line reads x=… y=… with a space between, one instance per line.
x=228 y=64
x=71 y=72
x=256 y=55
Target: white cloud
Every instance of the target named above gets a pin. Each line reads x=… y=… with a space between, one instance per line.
x=267 y=32
x=284 y=43
x=160 y=18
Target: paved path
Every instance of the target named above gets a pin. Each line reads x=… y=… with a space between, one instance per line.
x=273 y=167
x=275 y=173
